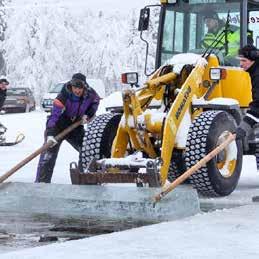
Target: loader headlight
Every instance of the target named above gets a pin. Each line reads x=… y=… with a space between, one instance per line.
x=129 y=78
x=217 y=74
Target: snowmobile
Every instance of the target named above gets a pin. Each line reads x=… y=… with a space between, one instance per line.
x=19 y=138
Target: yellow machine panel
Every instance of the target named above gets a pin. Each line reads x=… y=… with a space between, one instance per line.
x=237 y=85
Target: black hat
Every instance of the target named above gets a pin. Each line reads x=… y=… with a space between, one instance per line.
x=4 y=80
x=78 y=80
x=250 y=52
x=79 y=76
x=211 y=14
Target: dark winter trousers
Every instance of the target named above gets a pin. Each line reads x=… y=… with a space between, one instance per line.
x=48 y=158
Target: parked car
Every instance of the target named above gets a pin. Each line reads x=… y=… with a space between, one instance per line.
x=19 y=99
x=47 y=101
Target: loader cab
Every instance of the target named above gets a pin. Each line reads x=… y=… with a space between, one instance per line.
x=182 y=28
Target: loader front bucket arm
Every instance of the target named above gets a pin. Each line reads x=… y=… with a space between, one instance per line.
x=181 y=105
x=134 y=105
x=154 y=87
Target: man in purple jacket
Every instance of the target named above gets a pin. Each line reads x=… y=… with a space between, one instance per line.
x=75 y=101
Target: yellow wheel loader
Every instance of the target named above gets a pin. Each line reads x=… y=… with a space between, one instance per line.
x=202 y=95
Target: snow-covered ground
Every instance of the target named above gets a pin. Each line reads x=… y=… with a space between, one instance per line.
x=229 y=233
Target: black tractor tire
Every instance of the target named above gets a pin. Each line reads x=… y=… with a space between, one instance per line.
x=219 y=177
x=177 y=166
x=98 y=138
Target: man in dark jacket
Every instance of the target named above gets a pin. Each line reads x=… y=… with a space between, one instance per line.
x=249 y=61
x=75 y=101
x=3 y=87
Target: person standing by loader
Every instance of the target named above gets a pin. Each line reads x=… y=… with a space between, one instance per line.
x=3 y=88
x=249 y=61
x=75 y=101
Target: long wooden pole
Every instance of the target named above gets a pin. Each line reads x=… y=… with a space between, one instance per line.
x=44 y=147
x=194 y=168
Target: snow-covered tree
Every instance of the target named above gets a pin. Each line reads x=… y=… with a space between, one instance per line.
x=3 y=26
x=45 y=44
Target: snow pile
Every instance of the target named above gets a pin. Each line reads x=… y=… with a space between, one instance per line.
x=180 y=60
x=218 y=101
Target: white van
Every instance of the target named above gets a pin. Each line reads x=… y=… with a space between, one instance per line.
x=47 y=101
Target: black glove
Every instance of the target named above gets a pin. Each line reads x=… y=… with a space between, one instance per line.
x=240 y=133
x=51 y=132
x=244 y=129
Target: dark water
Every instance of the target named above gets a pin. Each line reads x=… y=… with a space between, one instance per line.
x=20 y=231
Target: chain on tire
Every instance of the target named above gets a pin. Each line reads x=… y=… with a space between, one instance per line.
x=220 y=175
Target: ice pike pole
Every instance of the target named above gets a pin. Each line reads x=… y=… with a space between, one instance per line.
x=193 y=169
x=44 y=147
